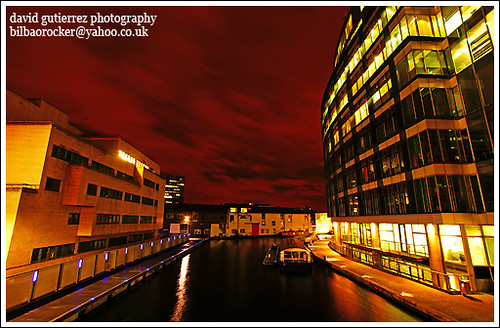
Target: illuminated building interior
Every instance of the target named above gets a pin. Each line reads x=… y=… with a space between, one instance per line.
x=407 y=126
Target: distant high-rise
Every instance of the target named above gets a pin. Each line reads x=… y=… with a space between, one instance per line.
x=407 y=126
x=174 y=189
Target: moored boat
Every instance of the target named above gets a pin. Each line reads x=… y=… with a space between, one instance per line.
x=271 y=257
x=294 y=256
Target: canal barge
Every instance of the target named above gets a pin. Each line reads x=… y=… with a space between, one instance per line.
x=271 y=257
x=294 y=256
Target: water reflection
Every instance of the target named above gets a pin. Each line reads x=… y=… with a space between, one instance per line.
x=225 y=281
x=182 y=298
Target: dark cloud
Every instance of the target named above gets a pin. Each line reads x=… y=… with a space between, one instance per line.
x=227 y=96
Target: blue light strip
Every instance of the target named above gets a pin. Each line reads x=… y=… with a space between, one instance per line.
x=35 y=276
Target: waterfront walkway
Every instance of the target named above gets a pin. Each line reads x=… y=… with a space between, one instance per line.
x=436 y=304
x=68 y=307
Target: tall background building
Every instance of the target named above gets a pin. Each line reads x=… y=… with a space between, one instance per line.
x=174 y=189
x=407 y=126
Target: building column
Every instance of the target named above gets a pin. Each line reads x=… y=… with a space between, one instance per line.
x=468 y=258
x=436 y=261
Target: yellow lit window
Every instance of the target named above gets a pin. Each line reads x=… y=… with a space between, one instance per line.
x=379 y=60
x=460 y=54
x=343 y=102
x=468 y=11
x=424 y=26
x=479 y=40
x=477 y=253
x=453 y=22
x=491 y=24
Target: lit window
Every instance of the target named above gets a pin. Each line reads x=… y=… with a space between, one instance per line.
x=452 y=23
x=460 y=54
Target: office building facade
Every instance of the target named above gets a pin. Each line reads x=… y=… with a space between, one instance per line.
x=407 y=127
x=68 y=194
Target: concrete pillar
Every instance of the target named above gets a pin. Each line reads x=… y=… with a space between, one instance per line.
x=436 y=260
x=468 y=258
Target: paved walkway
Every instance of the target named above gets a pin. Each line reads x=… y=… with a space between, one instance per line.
x=477 y=307
x=67 y=308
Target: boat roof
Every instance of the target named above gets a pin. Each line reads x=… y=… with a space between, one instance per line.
x=293 y=243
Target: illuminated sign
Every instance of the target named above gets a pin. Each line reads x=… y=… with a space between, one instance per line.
x=123 y=155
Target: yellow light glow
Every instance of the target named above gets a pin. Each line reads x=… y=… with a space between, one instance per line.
x=186 y=219
x=123 y=155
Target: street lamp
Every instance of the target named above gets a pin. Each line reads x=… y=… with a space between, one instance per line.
x=186 y=221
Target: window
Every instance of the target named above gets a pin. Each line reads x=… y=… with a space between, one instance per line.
x=73 y=218
x=108 y=219
x=147 y=201
x=231 y=218
x=132 y=198
x=273 y=223
x=135 y=238
x=103 y=168
x=68 y=156
x=149 y=183
x=146 y=219
x=52 y=252
x=395 y=198
x=91 y=189
x=460 y=54
x=149 y=235
x=125 y=176
x=263 y=222
x=479 y=40
x=116 y=241
x=242 y=230
x=451 y=243
x=88 y=246
x=110 y=193
x=52 y=184
x=130 y=219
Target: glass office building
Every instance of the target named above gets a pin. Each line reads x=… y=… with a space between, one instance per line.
x=407 y=127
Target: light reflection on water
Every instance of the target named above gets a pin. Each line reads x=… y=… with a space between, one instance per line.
x=182 y=298
x=225 y=281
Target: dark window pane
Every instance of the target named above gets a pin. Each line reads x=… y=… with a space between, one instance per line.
x=444 y=195
x=441 y=102
x=479 y=136
x=435 y=146
x=485 y=72
x=402 y=73
x=52 y=184
x=486 y=178
x=433 y=192
x=408 y=112
x=449 y=146
x=426 y=151
x=421 y=196
x=469 y=88
x=460 y=193
x=414 y=152
x=466 y=146
x=91 y=189
x=477 y=194
x=417 y=102
x=427 y=102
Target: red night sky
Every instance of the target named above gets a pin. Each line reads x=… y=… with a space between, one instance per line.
x=229 y=97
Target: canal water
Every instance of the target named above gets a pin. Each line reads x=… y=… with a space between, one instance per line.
x=225 y=281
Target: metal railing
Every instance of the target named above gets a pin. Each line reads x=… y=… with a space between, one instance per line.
x=451 y=282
